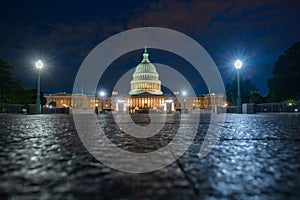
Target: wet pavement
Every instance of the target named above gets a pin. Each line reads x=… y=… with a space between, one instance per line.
x=256 y=157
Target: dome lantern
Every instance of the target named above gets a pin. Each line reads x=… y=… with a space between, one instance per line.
x=145 y=56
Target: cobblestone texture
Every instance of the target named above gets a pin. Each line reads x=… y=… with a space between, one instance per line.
x=257 y=157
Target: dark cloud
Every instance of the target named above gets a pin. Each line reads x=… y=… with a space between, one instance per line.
x=62 y=45
x=257 y=30
x=64 y=33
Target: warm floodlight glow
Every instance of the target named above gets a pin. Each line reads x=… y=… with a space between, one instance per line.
x=184 y=93
x=39 y=64
x=169 y=101
x=102 y=94
x=238 y=64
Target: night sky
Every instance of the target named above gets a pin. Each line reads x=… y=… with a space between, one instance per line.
x=62 y=33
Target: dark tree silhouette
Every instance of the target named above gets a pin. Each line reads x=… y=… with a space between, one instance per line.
x=6 y=82
x=285 y=82
x=249 y=92
x=14 y=91
x=53 y=104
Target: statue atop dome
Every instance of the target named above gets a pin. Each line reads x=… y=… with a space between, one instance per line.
x=145 y=56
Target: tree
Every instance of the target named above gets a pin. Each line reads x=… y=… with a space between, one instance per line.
x=6 y=81
x=285 y=82
x=52 y=104
x=32 y=97
x=17 y=94
x=13 y=91
x=249 y=92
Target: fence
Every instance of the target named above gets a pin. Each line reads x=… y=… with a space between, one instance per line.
x=269 y=107
x=231 y=109
x=12 y=108
x=30 y=109
x=46 y=110
x=258 y=108
x=278 y=107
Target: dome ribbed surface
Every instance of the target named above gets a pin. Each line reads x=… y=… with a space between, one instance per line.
x=145 y=78
x=145 y=68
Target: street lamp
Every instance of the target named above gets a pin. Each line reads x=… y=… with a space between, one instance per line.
x=102 y=94
x=39 y=65
x=238 y=65
x=184 y=94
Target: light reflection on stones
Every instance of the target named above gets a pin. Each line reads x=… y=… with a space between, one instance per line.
x=257 y=156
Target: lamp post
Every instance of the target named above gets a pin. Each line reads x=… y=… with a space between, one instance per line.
x=184 y=94
x=213 y=102
x=39 y=65
x=238 y=65
x=102 y=94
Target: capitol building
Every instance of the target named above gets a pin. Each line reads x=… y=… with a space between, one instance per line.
x=145 y=94
x=145 y=91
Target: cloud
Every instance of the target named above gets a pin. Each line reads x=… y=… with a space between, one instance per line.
x=211 y=16
x=69 y=37
x=261 y=30
x=62 y=45
x=217 y=25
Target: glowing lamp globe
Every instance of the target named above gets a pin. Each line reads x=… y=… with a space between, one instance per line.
x=39 y=64
x=102 y=94
x=238 y=64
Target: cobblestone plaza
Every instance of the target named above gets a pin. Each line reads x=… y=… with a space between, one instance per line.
x=256 y=157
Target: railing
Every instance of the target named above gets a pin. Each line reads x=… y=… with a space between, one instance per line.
x=278 y=107
x=231 y=109
x=258 y=108
x=46 y=110
x=12 y=108
x=268 y=107
x=30 y=109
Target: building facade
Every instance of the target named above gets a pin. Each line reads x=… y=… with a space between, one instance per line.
x=145 y=91
x=145 y=94
x=64 y=100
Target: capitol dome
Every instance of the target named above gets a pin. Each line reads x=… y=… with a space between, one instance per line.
x=145 y=78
